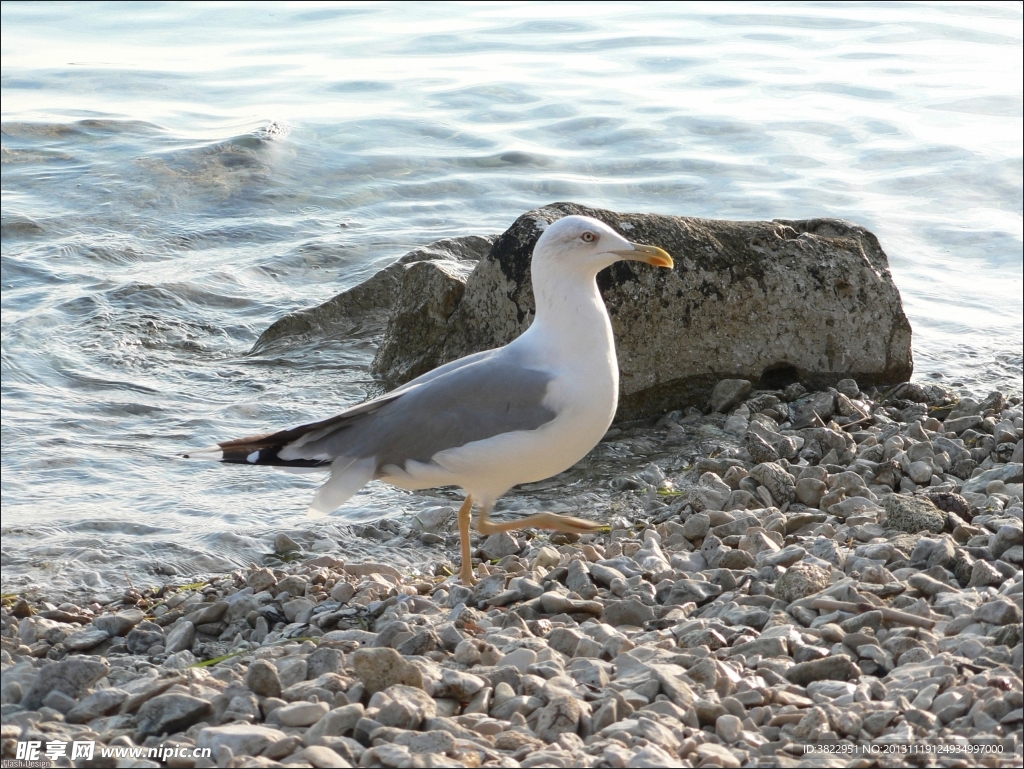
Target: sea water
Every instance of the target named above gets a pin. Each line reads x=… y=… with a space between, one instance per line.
x=178 y=176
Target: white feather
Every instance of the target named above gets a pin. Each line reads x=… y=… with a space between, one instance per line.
x=347 y=477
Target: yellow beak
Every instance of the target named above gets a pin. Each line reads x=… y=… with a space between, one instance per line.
x=652 y=255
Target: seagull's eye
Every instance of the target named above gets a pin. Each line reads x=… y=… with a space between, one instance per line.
x=588 y=237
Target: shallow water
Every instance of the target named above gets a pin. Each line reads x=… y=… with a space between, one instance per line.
x=176 y=177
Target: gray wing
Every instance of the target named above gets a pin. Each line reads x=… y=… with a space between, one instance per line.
x=470 y=402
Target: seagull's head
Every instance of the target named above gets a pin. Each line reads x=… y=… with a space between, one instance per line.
x=585 y=245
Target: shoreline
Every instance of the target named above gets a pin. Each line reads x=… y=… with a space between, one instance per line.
x=783 y=575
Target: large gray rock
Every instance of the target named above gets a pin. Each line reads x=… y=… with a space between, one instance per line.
x=769 y=302
x=417 y=327
x=364 y=309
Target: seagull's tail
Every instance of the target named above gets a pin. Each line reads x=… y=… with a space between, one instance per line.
x=267 y=449
x=348 y=474
x=258 y=450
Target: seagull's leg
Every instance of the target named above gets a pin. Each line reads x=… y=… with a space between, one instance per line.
x=465 y=512
x=554 y=521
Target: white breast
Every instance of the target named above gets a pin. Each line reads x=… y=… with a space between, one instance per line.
x=572 y=339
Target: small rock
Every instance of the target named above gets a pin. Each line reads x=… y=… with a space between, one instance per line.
x=779 y=482
x=728 y=728
x=835 y=668
x=72 y=676
x=561 y=715
x=300 y=713
x=379 y=669
x=696 y=526
x=119 y=624
x=912 y=514
x=284 y=544
x=497 y=546
x=343 y=592
x=810 y=491
x=240 y=738
x=433 y=519
x=629 y=612
x=169 y=713
x=86 y=639
x=984 y=574
x=262 y=679
x=260 y=580
x=406 y=707
x=335 y=723
x=322 y=757
x=180 y=637
x=799 y=581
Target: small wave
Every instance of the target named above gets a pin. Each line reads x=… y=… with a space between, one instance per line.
x=16 y=225
x=996 y=106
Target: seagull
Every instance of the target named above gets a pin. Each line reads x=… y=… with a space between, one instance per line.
x=492 y=420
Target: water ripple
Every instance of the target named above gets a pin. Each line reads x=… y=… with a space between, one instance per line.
x=167 y=196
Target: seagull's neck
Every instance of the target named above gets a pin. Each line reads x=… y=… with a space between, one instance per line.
x=572 y=321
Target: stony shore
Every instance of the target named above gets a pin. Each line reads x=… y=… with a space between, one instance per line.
x=830 y=579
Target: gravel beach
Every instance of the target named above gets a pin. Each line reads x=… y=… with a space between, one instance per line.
x=822 y=578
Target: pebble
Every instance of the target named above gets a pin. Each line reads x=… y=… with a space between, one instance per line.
x=913 y=514
x=728 y=728
x=799 y=581
x=240 y=738
x=170 y=713
x=378 y=669
x=261 y=677
x=821 y=577
x=300 y=713
x=86 y=639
